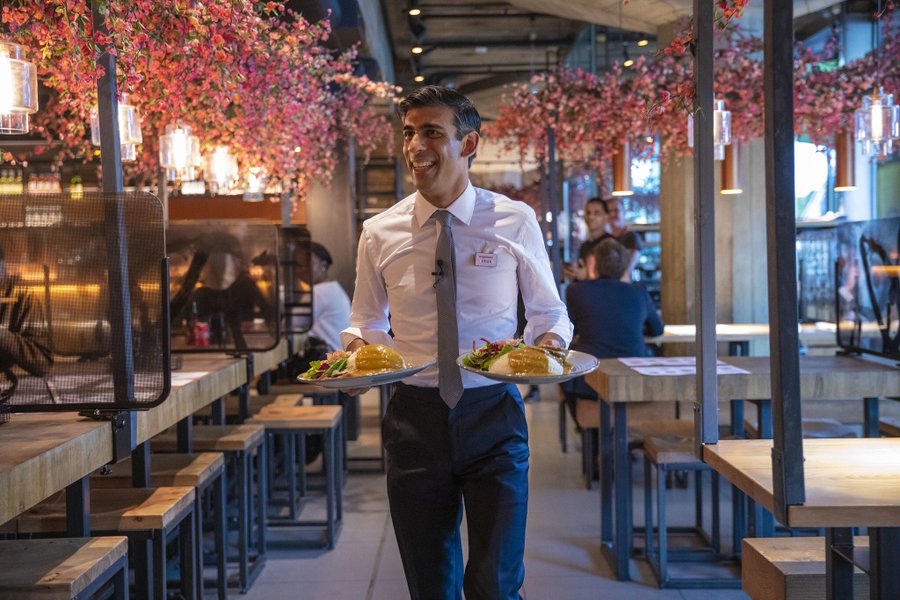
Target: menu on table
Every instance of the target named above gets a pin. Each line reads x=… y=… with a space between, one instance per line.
x=675 y=365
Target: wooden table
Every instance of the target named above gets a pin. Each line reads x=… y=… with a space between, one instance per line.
x=202 y=379
x=739 y=335
x=263 y=362
x=43 y=453
x=617 y=385
x=849 y=483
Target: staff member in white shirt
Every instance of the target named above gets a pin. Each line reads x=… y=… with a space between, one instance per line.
x=447 y=443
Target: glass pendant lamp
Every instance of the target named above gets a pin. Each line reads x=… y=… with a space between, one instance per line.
x=256 y=185
x=179 y=152
x=721 y=129
x=129 y=128
x=221 y=170
x=877 y=124
x=18 y=89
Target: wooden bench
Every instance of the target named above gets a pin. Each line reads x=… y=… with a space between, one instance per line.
x=62 y=569
x=587 y=412
x=146 y=516
x=244 y=445
x=813 y=427
x=293 y=424
x=200 y=471
x=792 y=568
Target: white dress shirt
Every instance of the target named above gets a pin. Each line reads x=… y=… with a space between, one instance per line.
x=331 y=313
x=394 y=279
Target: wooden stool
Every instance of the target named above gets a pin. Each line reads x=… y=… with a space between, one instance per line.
x=244 y=447
x=145 y=516
x=792 y=568
x=200 y=471
x=297 y=422
x=672 y=453
x=258 y=402
x=62 y=569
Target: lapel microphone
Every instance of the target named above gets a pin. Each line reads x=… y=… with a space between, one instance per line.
x=439 y=273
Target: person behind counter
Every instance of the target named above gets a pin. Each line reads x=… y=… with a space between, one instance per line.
x=442 y=269
x=611 y=316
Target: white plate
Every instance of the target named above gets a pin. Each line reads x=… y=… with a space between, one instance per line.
x=582 y=364
x=361 y=381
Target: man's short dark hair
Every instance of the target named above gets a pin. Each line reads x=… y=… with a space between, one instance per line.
x=611 y=258
x=465 y=115
x=322 y=252
x=596 y=200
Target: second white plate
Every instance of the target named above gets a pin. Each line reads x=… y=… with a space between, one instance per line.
x=582 y=364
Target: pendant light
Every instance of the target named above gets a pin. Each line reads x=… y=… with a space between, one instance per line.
x=18 y=89
x=844 y=162
x=221 y=170
x=877 y=121
x=731 y=170
x=721 y=129
x=877 y=124
x=621 y=165
x=129 y=128
x=179 y=152
x=256 y=185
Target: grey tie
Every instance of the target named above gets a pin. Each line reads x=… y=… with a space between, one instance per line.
x=449 y=378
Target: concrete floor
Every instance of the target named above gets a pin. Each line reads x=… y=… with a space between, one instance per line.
x=563 y=560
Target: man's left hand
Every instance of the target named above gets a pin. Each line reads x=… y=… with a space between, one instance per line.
x=549 y=339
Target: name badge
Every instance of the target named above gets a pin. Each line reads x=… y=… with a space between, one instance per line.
x=485 y=260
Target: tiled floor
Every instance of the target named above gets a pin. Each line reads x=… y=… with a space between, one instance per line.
x=562 y=561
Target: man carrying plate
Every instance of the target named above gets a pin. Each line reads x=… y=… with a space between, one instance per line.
x=441 y=270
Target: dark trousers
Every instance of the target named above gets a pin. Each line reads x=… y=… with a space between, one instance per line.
x=437 y=459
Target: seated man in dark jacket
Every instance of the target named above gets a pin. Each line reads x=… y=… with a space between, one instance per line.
x=611 y=317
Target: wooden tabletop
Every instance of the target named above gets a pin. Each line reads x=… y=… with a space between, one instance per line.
x=269 y=360
x=821 y=378
x=743 y=332
x=202 y=379
x=42 y=453
x=849 y=482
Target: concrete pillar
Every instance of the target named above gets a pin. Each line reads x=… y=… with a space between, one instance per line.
x=331 y=221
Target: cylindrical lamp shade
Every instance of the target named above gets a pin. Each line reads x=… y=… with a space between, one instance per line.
x=129 y=129
x=14 y=123
x=222 y=170
x=256 y=185
x=844 y=162
x=621 y=166
x=876 y=124
x=18 y=89
x=178 y=149
x=721 y=129
x=731 y=170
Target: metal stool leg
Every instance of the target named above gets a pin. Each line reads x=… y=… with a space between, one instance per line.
x=648 y=510
x=221 y=532
x=243 y=521
x=661 y=524
x=159 y=564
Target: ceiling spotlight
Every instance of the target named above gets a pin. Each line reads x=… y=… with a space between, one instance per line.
x=417 y=50
x=415 y=12
x=643 y=42
x=419 y=78
x=649 y=139
x=628 y=62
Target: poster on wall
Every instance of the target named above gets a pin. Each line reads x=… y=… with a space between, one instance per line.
x=867 y=282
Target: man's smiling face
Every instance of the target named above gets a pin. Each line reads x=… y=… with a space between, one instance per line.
x=437 y=160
